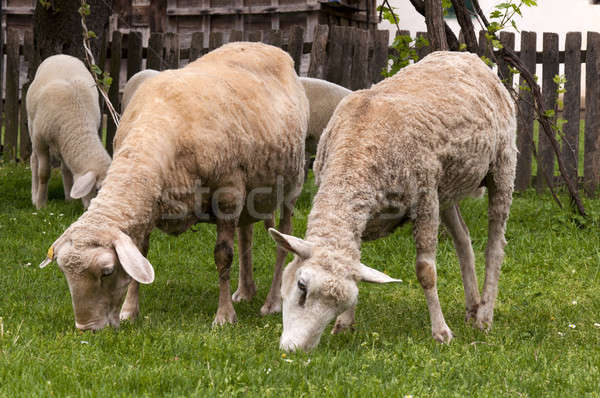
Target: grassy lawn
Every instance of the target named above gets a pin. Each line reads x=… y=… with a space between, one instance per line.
x=545 y=340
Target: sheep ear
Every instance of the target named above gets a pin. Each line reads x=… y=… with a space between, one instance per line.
x=83 y=185
x=292 y=244
x=368 y=274
x=132 y=260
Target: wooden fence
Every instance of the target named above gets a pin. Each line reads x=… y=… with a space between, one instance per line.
x=355 y=58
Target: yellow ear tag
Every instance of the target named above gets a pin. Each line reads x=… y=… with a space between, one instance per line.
x=50 y=254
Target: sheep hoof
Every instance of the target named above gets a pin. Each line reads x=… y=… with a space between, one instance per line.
x=224 y=317
x=244 y=293
x=270 y=307
x=484 y=318
x=341 y=327
x=443 y=334
x=129 y=314
x=471 y=313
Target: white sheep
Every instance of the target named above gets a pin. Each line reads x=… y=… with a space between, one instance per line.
x=408 y=149
x=323 y=97
x=133 y=83
x=219 y=141
x=64 y=116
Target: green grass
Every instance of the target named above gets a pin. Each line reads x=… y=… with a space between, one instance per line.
x=550 y=280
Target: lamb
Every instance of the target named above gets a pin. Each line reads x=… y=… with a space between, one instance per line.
x=63 y=117
x=408 y=149
x=220 y=141
x=323 y=97
x=133 y=84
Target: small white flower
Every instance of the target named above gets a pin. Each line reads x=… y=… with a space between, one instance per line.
x=572 y=325
x=84 y=342
x=51 y=214
x=34 y=213
x=61 y=214
x=574 y=302
x=44 y=232
x=572 y=271
x=597 y=324
x=27 y=264
x=268 y=371
x=289 y=360
x=561 y=334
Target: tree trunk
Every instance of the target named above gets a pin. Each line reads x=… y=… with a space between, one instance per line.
x=57 y=28
x=434 y=18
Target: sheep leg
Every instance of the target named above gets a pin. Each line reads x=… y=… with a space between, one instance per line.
x=269 y=222
x=344 y=321
x=246 y=287
x=43 y=170
x=34 y=177
x=466 y=258
x=67 y=178
x=425 y=232
x=131 y=308
x=223 y=259
x=272 y=304
x=500 y=197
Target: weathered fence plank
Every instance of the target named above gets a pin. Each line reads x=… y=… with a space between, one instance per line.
x=360 y=59
x=11 y=112
x=196 y=46
x=335 y=48
x=423 y=51
x=236 y=35
x=273 y=37
x=379 y=60
x=572 y=104
x=255 y=35
x=113 y=92
x=155 y=51
x=545 y=161
x=295 y=46
x=525 y=117
x=318 y=55
x=508 y=41
x=347 y=55
x=30 y=61
x=215 y=40
x=591 y=157
x=172 y=50
x=134 y=53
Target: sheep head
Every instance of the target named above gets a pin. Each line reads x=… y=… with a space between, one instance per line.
x=98 y=267
x=315 y=290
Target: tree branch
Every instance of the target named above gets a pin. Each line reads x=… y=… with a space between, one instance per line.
x=453 y=44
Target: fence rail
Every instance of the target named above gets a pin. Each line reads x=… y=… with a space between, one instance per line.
x=354 y=59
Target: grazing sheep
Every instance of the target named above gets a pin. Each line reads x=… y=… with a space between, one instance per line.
x=408 y=149
x=64 y=117
x=133 y=84
x=219 y=141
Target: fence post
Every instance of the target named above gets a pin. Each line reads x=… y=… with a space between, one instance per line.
x=572 y=105
x=255 y=35
x=360 y=59
x=379 y=60
x=196 y=46
x=423 y=51
x=113 y=92
x=155 y=52
x=318 y=55
x=525 y=115
x=545 y=163
x=172 y=50
x=591 y=157
x=134 y=53
x=296 y=46
x=12 y=94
